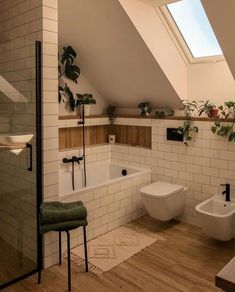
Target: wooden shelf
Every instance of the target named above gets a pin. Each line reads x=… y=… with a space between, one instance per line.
x=75 y=117
x=205 y=119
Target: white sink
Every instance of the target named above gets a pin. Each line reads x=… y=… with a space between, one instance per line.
x=15 y=138
x=216 y=218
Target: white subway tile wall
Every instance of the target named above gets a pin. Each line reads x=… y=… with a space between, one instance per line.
x=22 y=22
x=201 y=167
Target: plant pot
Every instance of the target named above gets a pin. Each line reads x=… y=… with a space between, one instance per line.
x=112 y=139
x=213 y=113
x=87 y=109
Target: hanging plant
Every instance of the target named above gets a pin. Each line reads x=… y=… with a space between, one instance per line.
x=225 y=129
x=111 y=113
x=68 y=69
x=188 y=130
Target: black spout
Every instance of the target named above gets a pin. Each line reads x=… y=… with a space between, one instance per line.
x=77 y=159
x=73 y=159
x=226 y=192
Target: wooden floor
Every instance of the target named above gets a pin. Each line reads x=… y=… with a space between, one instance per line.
x=186 y=261
x=12 y=263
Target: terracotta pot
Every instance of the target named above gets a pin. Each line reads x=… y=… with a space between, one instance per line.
x=213 y=113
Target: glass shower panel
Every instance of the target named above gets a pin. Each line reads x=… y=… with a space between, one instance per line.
x=18 y=171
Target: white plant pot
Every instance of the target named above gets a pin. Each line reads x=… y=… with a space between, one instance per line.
x=87 y=109
x=112 y=139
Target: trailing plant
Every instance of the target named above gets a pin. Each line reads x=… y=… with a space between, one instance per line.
x=209 y=108
x=188 y=130
x=227 y=110
x=145 y=107
x=111 y=112
x=68 y=69
x=189 y=107
x=224 y=129
x=83 y=99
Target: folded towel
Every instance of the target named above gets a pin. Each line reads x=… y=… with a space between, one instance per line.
x=53 y=212
x=61 y=226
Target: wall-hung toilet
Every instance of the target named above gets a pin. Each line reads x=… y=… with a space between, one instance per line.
x=164 y=201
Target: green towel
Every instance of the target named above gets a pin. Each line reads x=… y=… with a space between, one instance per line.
x=61 y=226
x=53 y=212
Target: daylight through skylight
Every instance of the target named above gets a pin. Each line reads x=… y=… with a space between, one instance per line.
x=195 y=28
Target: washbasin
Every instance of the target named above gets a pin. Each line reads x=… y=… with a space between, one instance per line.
x=15 y=138
x=216 y=218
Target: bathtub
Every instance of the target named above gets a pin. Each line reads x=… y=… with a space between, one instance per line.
x=97 y=176
x=111 y=198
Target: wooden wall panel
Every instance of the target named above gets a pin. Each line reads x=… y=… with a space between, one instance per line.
x=72 y=137
x=134 y=135
x=131 y=135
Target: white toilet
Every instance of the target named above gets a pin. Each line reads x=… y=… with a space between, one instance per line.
x=164 y=201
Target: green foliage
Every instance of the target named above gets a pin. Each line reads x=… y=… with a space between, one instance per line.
x=222 y=129
x=111 y=110
x=189 y=107
x=71 y=71
x=85 y=99
x=145 y=107
x=187 y=130
x=205 y=107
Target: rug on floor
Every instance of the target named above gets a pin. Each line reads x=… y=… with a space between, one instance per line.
x=109 y=250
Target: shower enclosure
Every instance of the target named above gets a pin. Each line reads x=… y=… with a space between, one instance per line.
x=20 y=159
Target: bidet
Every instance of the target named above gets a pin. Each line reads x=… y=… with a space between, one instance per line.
x=216 y=218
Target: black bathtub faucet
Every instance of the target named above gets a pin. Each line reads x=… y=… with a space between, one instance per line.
x=226 y=192
x=73 y=159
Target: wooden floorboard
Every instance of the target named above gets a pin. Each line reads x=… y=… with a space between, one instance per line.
x=185 y=261
x=13 y=264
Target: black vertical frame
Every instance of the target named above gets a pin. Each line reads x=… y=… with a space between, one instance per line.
x=38 y=63
x=38 y=55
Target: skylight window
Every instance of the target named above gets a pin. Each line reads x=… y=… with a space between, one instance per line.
x=194 y=26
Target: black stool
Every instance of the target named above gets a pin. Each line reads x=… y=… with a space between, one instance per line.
x=53 y=211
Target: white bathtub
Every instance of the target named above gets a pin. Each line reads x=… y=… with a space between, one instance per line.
x=97 y=176
x=111 y=199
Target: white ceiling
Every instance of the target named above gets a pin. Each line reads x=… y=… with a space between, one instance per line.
x=112 y=54
x=221 y=14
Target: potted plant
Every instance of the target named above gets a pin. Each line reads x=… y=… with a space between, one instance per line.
x=111 y=112
x=209 y=109
x=225 y=129
x=145 y=107
x=85 y=100
x=67 y=69
x=188 y=130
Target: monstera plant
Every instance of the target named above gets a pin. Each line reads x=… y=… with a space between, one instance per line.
x=70 y=71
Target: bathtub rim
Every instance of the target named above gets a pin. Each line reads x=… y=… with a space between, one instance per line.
x=109 y=182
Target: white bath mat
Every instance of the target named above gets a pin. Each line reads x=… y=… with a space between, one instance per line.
x=111 y=249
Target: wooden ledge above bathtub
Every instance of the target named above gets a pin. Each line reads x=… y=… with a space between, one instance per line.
x=74 y=117
x=94 y=135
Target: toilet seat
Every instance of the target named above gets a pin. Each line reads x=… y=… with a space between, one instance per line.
x=161 y=190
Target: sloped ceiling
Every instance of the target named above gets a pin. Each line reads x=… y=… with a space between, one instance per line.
x=221 y=14
x=112 y=54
